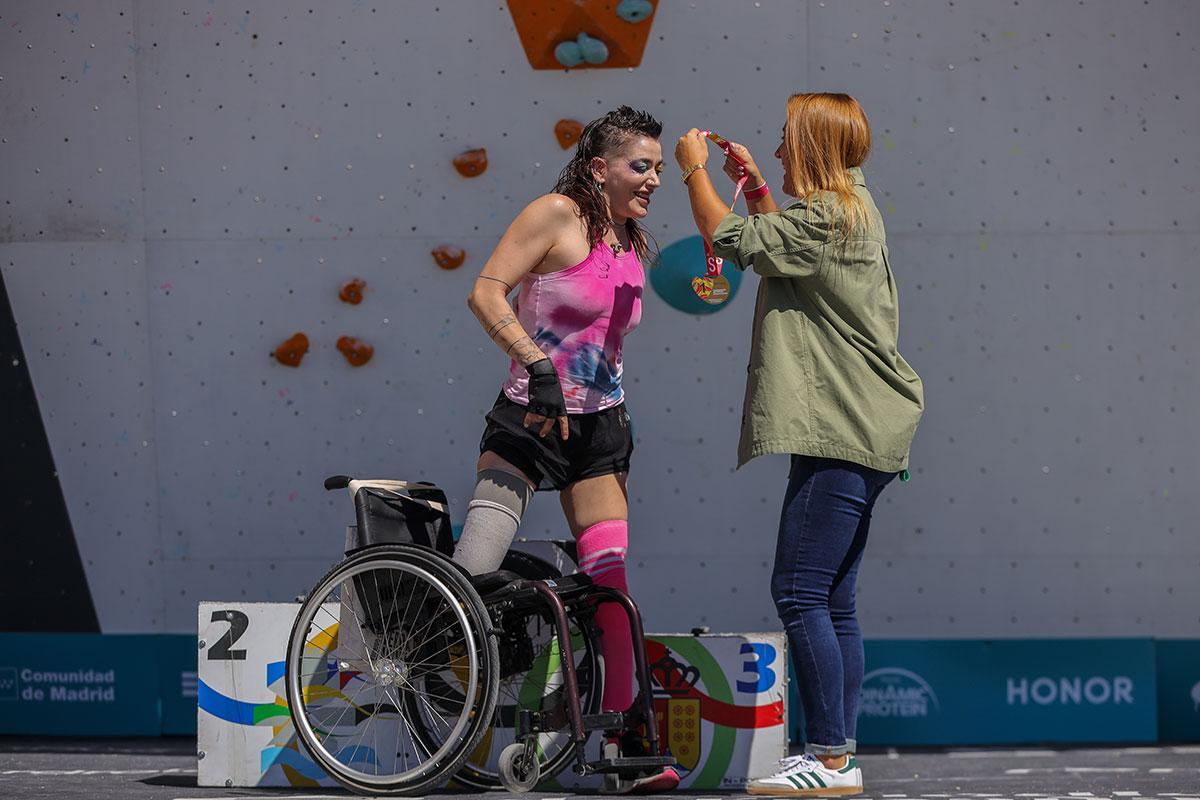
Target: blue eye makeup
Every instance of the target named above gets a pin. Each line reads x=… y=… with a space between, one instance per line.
x=643 y=166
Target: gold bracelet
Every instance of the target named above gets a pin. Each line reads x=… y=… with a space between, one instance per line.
x=687 y=173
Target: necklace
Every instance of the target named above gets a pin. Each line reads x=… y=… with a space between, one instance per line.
x=616 y=245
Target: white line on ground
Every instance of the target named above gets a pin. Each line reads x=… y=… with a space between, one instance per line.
x=1069 y=770
x=1001 y=754
x=51 y=772
x=1127 y=794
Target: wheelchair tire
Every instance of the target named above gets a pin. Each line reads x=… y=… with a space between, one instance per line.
x=518 y=774
x=364 y=642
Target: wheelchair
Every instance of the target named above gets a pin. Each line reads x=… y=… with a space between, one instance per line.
x=403 y=672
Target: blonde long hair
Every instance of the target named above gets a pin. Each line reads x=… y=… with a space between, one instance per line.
x=825 y=135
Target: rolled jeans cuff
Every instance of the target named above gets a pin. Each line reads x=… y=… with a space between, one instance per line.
x=852 y=746
x=826 y=750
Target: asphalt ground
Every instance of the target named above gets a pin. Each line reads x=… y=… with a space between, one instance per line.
x=165 y=769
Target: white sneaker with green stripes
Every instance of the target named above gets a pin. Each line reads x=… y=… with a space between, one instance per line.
x=806 y=776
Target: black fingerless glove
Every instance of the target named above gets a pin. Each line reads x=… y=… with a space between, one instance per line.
x=545 y=392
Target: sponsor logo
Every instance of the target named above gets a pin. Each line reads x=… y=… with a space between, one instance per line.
x=73 y=686
x=1070 y=690
x=8 y=683
x=896 y=692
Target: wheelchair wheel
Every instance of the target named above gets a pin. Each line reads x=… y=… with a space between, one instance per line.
x=370 y=640
x=518 y=771
x=535 y=683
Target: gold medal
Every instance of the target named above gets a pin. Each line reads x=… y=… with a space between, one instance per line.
x=712 y=289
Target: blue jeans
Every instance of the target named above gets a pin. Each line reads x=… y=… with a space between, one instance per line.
x=822 y=535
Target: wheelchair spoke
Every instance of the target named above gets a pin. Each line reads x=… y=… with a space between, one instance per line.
x=433 y=618
x=353 y=613
x=350 y=703
x=430 y=706
x=406 y=646
x=416 y=740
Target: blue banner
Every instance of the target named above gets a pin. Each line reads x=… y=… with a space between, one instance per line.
x=79 y=684
x=1008 y=692
x=915 y=692
x=177 y=677
x=1178 y=690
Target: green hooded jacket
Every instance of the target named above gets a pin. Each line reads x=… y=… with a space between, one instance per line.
x=825 y=376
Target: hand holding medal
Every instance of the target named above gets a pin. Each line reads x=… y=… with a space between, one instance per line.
x=713 y=287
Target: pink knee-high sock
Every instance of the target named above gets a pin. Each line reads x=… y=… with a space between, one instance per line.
x=602 y=558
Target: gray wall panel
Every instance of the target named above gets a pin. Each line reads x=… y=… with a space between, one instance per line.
x=1046 y=280
x=1011 y=116
x=82 y=316
x=69 y=161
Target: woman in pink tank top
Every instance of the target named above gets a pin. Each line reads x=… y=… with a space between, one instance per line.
x=575 y=258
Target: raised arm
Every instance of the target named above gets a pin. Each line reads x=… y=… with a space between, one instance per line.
x=707 y=208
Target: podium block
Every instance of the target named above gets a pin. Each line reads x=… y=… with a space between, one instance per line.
x=720 y=703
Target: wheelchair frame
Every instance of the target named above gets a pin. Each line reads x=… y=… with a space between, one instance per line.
x=485 y=601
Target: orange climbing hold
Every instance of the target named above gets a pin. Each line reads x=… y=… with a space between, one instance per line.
x=545 y=24
x=471 y=163
x=356 y=351
x=567 y=131
x=352 y=291
x=448 y=257
x=292 y=351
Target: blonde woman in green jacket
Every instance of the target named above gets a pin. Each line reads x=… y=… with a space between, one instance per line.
x=826 y=384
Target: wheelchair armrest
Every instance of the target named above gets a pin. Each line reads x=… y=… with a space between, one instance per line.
x=491 y=582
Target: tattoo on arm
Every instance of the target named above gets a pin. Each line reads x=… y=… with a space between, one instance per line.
x=505 y=321
x=497 y=280
x=525 y=352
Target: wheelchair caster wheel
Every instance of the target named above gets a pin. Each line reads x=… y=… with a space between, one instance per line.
x=519 y=771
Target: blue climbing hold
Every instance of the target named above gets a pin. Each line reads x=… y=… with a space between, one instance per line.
x=568 y=54
x=584 y=48
x=594 y=51
x=635 y=10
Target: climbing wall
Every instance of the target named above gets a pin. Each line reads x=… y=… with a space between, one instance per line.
x=187 y=186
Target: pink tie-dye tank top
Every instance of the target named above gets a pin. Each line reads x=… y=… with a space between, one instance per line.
x=579 y=317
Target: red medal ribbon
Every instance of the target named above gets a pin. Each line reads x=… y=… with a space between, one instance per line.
x=712 y=264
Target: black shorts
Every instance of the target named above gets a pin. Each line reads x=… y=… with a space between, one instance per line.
x=598 y=444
